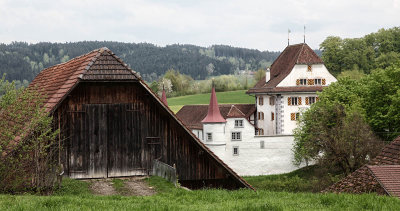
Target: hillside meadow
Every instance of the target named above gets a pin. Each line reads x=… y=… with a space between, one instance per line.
x=75 y=195
x=236 y=97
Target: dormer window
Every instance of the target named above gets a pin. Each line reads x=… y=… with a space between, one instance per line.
x=309 y=68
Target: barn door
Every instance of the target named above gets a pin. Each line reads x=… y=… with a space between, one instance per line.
x=153 y=151
x=124 y=141
x=88 y=142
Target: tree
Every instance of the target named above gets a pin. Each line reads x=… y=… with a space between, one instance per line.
x=27 y=141
x=335 y=131
x=336 y=136
x=259 y=75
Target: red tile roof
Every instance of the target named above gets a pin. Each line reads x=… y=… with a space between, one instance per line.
x=234 y=112
x=380 y=169
x=191 y=115
x=389 y=177
x=57 y=81
x=283 y=65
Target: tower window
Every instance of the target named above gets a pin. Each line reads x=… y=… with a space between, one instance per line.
x=236 y=150
x=209 y=136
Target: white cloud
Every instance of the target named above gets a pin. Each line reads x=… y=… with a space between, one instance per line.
x=253 y=23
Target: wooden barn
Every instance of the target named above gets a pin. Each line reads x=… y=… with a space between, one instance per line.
x=113 y=125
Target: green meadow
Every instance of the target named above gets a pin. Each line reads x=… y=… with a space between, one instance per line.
x=237 y=97
x=75 y=195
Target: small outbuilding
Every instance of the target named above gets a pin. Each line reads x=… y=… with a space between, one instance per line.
x=381 y=175
x=112 y=125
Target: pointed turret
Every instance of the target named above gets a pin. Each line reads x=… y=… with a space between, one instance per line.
x=164 y=97
x=213 y=115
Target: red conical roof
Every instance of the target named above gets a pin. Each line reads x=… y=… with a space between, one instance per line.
x=164 y=98
x=213 y=115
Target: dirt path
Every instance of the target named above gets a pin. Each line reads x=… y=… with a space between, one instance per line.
x=133 y=186
x=102 y=187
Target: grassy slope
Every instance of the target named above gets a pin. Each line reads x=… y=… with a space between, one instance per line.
x=307 y=179
x=238 y=96
x=75 y=196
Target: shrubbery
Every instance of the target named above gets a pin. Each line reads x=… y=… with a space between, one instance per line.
x=28 y=154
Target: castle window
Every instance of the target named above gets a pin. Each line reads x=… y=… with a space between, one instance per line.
x=309 y=68
x=294 y=116
x=260 y=115
x=303 y=81
x=238 y=123
x=260 y=101
x=317 y=81
x=271 y=100
x=262 y=145
x=311 y=100
x=209 y=136
x=260 y=131
x=236 y=150
x=236 y=136
x=294 y=101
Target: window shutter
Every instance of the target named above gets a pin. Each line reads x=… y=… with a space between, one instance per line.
x=297 y=82
x=317 y=99
x=289 y=101
x=306 y=100
x=323 y=81
x=272 y=116
x=310 y=81
x=292 y=116
x=262 y=114
x=299 y=100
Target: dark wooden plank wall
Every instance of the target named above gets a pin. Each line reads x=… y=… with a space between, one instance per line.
x=141 y=131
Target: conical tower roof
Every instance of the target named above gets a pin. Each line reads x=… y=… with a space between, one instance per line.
x=213 y=115
x=164 y=98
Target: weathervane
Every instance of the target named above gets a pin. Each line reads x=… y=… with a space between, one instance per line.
x=304 y=33
x=288 y=32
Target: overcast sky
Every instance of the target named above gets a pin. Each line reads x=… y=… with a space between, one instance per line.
x=258 y=24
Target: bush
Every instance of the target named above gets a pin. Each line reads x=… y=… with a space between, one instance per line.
x=27 y=141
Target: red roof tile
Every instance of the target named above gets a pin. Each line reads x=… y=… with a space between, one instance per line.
x=283 y=65
x=389 y=177
x=57 y=81
x=191 y=115
x=383 y=167
x=234 y=112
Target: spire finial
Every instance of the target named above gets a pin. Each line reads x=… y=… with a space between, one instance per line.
x=288 y=32
x=304 y=34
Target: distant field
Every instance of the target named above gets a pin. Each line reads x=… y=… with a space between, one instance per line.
x=239 y=97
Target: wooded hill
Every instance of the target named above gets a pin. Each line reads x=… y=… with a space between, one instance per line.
x=23 y=61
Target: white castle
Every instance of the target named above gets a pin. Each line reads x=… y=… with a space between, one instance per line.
x=257 y=139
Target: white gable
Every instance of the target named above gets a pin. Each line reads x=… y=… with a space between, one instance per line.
x=300 y=71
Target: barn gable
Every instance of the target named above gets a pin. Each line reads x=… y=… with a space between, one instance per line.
x=115 y=125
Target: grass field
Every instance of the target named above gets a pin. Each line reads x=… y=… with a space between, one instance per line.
x=74 y=195
x=239 y=96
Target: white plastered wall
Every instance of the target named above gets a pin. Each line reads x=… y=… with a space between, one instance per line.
x=300 y=71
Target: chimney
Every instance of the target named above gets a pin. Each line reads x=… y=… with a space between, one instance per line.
x=267 y=75
x=213 y=115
